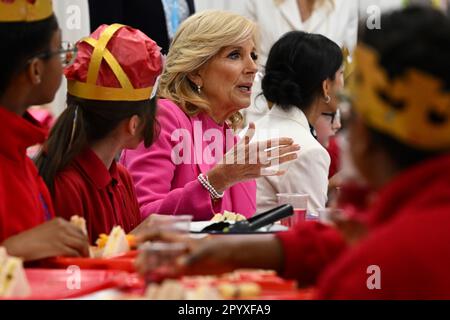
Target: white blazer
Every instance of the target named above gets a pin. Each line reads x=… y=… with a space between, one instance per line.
x=229 y=5
x=275 y=18
x=307 y=174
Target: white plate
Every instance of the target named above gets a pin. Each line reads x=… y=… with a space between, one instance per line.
x=198 y=226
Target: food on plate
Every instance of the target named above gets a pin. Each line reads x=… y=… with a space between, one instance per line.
x=246 y=274
x=228 y=216
x=13 y=281
x=203 y=292
x=114 y=244
x=168 y=290
x=240 y=284
x=79 y=222
x=216 y=290
x=237 y=291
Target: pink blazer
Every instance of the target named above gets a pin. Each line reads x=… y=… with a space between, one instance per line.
x=166 y=186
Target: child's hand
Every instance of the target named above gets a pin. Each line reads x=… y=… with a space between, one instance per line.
x=57 y=237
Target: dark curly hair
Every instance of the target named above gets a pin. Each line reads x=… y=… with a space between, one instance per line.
x=297 y=65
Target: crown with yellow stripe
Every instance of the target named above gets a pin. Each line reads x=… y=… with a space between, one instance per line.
x=90 y=89
x=25 y=10
x=413 y=108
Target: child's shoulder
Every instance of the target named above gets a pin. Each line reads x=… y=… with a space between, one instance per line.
x=124 y=175
x=70 y=177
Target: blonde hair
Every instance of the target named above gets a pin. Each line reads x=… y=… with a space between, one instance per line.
x=199 y=38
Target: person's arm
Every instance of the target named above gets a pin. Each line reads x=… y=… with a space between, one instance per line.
x=308 y=249
x=302 y=253
x=153 y=171
x=57 y=237
x=221 y=254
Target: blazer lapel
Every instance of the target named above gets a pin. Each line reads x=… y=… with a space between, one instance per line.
x=290 y=11
x=318 y=18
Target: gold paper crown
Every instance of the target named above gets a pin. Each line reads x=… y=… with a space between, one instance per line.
x=25 y=10
x=414 y=108
x=90 y=90
x=349 y=64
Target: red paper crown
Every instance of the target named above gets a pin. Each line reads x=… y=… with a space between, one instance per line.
x=116 y=63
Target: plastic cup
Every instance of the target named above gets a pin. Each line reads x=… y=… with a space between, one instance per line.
x=300 y=204
x=157 y=260
x=175 y=224
x=328 y=215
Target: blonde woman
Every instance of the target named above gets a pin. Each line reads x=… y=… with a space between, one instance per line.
x=207 y=79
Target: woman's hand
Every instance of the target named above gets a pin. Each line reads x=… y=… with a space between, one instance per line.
x=57 y=237
x=247 y=161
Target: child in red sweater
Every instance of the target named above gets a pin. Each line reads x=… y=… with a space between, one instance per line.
x=30 y=74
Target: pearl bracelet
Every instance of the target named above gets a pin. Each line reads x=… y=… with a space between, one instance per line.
x=205 y=183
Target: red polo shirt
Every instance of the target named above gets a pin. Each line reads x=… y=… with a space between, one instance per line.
x=105 y=198
x=24 y=199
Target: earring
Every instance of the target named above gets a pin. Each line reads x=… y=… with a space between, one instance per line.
x=199 y=89
x=38 y=80
x=328 y=99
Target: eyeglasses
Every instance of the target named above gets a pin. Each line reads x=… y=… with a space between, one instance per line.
x=332 y=115
x=67 y=53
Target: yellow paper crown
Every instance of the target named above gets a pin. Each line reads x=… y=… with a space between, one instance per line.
x=90 y=90
x=349 y=65
x=25 y=10
x=413 y=108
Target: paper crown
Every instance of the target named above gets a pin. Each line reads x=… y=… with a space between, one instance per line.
x=349 y=65
x=116 y=63
x=414 y=108
x=25 y=10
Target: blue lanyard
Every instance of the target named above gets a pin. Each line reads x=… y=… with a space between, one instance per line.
x=47 y=214
x=174 y=16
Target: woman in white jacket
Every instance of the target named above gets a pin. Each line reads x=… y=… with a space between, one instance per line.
x=303 y=76
x=335 y=19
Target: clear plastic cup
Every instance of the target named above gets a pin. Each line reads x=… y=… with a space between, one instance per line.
x=328 y=215
x=175 y=224
x=157 y=260
x=300 y=204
